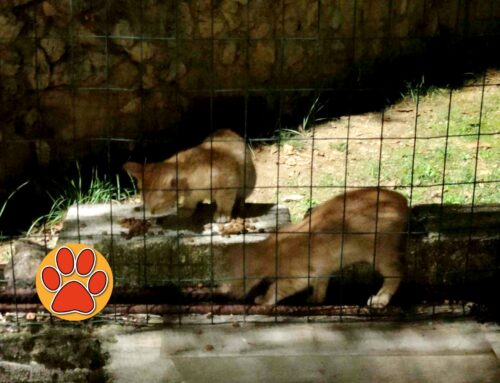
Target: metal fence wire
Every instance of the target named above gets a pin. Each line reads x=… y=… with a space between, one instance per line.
x=323 y=98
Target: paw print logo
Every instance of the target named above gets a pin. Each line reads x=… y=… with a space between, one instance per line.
x=74 y=287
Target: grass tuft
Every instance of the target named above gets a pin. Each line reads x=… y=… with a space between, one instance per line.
x=99 y=189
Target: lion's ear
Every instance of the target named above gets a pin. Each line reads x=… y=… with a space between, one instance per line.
x=135 y=169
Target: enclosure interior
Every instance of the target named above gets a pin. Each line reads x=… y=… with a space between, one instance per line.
x=328 y=96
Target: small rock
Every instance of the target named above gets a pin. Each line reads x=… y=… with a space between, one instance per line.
x=97 y=59
x=123 y=29
x=10 y=27
x=261 y=31
x=27 y=257
x=205 y=27
x=293 y=54
x=124 y=74
x=149 y=78
x=60 y=75
x=175 y=71
x=259 y=69
x=133 y=106
x=140 y=52
x=185 y=19
x=10 y=63
x=229 y=6
x=54 y=48
x=48 y=9
x=229 y=53
x=312 y=16
x=229 y=9
x=39 y=76
x=265 y=52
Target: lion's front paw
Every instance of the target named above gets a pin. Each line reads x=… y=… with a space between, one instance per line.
x=379 y=301
x=221 y=218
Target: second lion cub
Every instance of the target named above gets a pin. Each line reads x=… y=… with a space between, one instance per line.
x=219 y=170
x=364 y=225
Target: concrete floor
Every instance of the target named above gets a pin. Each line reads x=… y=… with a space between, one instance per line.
x=459 y=351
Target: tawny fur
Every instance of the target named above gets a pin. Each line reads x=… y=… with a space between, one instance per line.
x=330 y=238
x=219 y=170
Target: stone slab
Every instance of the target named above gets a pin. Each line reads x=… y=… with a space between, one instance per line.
x=88 y=223
x=322 y=368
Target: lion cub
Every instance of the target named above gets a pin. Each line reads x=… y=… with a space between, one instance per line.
x=364 y=225
x=220 y=169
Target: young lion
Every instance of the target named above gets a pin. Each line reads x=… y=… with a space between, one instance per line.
x=364 y=225
x=220 y=169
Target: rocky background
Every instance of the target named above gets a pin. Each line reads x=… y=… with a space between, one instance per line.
x=80 y=78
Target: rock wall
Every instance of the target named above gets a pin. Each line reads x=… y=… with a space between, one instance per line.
x=74 y=72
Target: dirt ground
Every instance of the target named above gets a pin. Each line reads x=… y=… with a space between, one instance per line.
x=398 y=147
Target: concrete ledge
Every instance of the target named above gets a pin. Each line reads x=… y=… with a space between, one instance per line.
x=430 y=352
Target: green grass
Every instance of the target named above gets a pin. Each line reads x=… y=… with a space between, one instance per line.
x=454 y=126
x=299 y=137
x=327 y=180
x=310 y=118
x=99 y=189
x=428 y=166
x=296 y=138
x=339 y=147
x=299 y=208
x=415 y=90
x=424 y=164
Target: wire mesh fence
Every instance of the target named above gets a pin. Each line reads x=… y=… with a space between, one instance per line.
x=302 y=102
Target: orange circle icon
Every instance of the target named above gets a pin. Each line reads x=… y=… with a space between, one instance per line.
x=74 y=282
